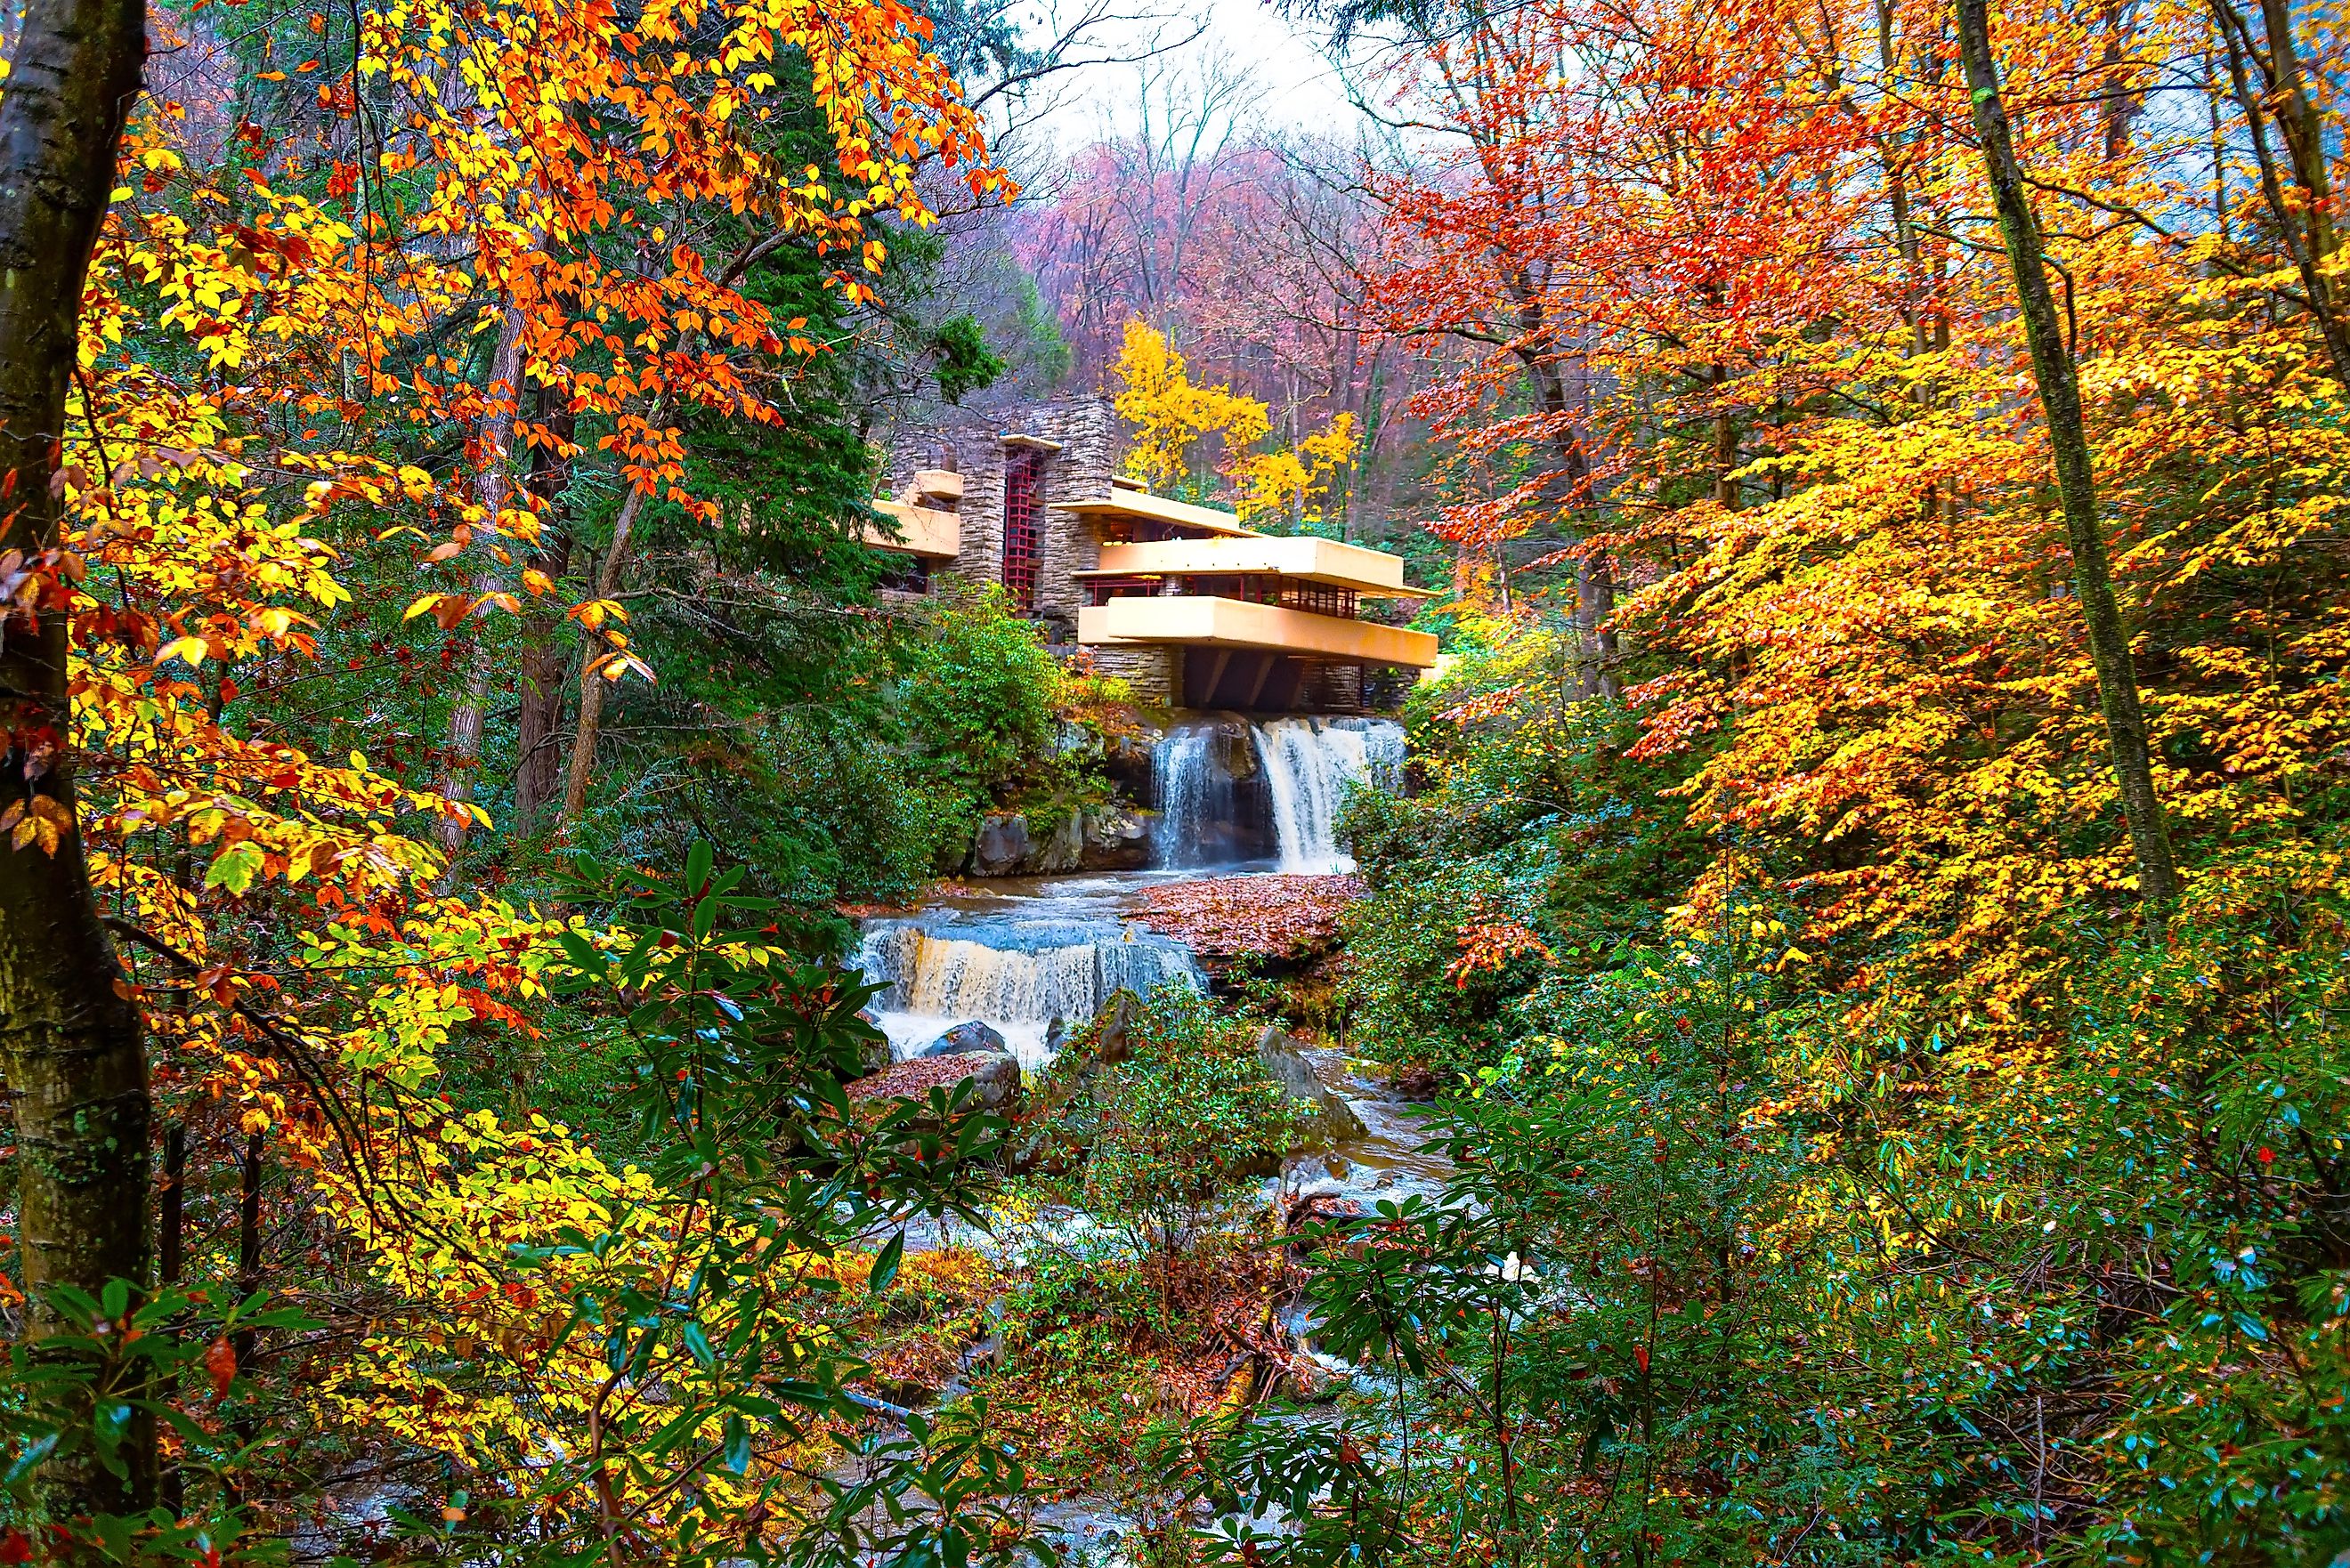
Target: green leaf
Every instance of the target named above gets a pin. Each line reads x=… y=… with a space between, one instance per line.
x=885 y=1267
x=738 y=1445
x=235 y=867
x=697 y=1344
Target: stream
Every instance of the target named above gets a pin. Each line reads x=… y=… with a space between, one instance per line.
x=1035 y=958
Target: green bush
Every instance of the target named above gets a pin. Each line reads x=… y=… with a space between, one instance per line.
x=1534 y=815
x=1167 y=1137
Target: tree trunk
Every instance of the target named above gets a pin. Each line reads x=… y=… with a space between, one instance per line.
x=538 y=756
x=72 y=1048
x=2060 y=398
x=467 y=722
x=2306 y=247
x=592 y=684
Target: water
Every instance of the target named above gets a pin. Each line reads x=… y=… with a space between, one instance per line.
x=1198 y=804
x=1309 y=765
x=1020 y=959
x=1288 y=804
x=1024 y=957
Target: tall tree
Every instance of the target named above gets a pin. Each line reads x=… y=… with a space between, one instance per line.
x=2060 y=396
x=72 y=1048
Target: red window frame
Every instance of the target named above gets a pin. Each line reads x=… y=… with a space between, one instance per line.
x=1021 y=515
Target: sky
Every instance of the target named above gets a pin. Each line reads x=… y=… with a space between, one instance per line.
x=1294 y=86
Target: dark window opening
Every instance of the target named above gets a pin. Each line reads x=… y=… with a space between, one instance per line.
x=1322 y=598
x=1101 y=590
x=905 y=575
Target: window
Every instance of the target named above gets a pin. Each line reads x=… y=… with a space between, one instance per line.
x=1319 y=597
x=906 y=574
x=1021 y=507
x=1101 y=590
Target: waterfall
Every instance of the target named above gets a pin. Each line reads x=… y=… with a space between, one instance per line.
x=1309 y=764
x=1193 y=793
x=1018 y=979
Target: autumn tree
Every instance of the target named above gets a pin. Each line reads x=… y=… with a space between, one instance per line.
x=74 y=1056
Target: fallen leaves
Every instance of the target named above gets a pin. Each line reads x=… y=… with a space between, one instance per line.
x=1226 y=918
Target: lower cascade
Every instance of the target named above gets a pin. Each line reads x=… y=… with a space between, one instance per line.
x=1025 y=977
x=1309 y=764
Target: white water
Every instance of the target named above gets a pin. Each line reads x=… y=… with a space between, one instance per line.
x=1018 y=965
x=1309 y=765
x=1194 y=797
x=1022 y=959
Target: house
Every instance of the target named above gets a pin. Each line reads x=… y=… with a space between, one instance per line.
x=1190 y=607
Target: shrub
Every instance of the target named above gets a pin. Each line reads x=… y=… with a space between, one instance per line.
x=1170 y=1133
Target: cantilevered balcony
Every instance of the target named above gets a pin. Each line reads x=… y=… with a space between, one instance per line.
x=923 y=520
x=1202 y=620
x=906 y=530
x=1177 y=575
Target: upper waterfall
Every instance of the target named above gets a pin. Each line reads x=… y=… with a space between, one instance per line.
x=1230 y=792
x=1309 y=765
x=1197 y=803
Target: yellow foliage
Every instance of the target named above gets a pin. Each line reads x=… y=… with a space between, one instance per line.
x=1170 y=414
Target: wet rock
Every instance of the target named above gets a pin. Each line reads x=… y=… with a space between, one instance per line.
x=996 y=1079
x=1002 y=845
x=1117 y=838
x=1010 y=844
x=1284 y=1062
x=1128 y=759
x=1063 y=850
x=994 y=1075
x=1113 y=1023
x=965 y=1038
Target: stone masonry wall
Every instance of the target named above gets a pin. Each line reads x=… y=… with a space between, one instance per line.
x=973 y=443
x=1153 y=672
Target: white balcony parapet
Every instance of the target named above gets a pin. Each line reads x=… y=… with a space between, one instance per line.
x=1202 y=620
x=920 y=531
x=1140 y=505
x=1373 y=574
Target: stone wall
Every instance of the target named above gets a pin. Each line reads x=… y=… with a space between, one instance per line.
x=1077 y=450
x=1151 y=671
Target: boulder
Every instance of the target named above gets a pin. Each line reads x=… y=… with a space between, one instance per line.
x=1130 y=760
x=997 y=1078
x=1063 y=850
x=1115 y=838
x=965 y=1038
x=1009 y=845
x=1002 y=845
x=1118 y=1016
x=1284 y=1060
